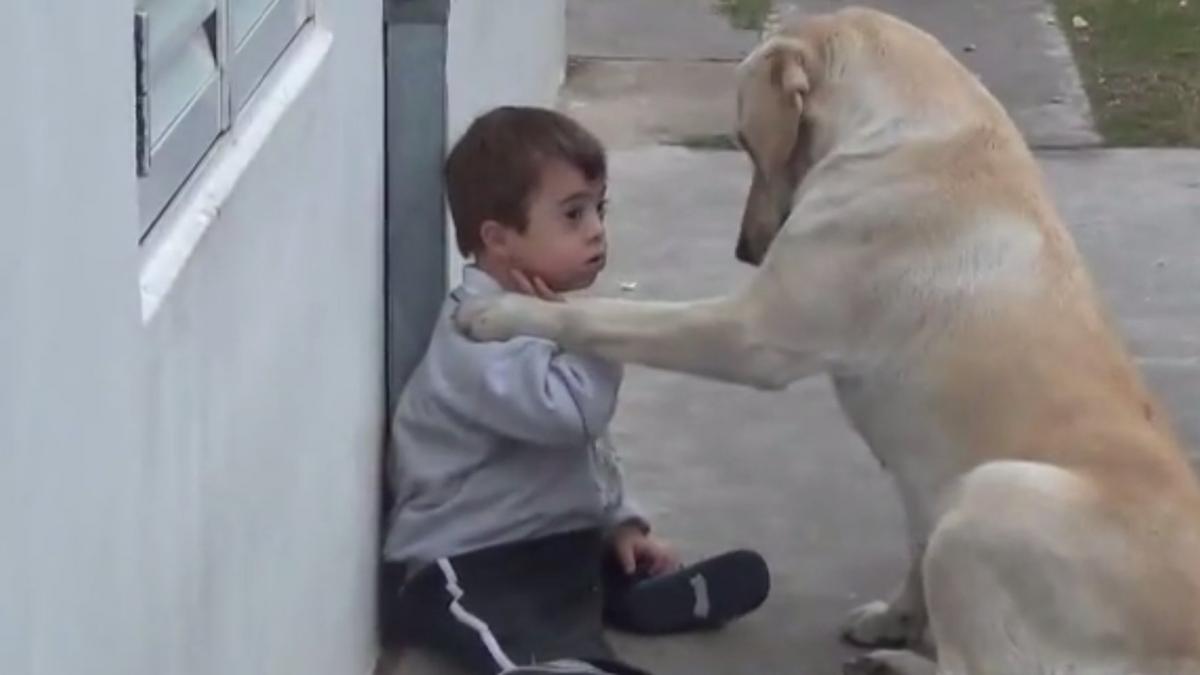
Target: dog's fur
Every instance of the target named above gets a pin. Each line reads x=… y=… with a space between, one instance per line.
x=1054 y=519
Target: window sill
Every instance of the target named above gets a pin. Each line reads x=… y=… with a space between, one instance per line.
x=174 y=237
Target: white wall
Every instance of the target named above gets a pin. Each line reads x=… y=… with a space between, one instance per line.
x=71 y=451
x=500 y=52
x=197 y=494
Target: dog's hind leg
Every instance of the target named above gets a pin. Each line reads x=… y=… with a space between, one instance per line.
x=1017 y=577
x=975 y=620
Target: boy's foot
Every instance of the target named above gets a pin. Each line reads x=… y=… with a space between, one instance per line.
x=707 y=594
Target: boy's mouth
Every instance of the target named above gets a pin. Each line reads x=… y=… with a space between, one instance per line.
x=597 y=259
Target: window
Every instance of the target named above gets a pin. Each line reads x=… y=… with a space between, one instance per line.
x=198 y=62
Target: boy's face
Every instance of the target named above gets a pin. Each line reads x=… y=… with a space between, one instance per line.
x=564 y=243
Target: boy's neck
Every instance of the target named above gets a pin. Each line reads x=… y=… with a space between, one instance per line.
x=498 y=270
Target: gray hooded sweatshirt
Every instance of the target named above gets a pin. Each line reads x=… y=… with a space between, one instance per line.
x=494 y=443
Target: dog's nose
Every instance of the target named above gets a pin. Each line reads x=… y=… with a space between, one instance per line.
x=742 y=252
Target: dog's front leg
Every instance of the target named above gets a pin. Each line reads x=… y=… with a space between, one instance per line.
x=898 y=622
x=720 y=338
x=903 y=620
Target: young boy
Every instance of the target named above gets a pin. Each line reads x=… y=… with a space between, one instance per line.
x=511 y=518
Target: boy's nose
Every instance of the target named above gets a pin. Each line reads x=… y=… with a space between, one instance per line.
x=595 y=228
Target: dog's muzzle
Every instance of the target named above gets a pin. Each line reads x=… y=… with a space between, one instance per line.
x=742 y=252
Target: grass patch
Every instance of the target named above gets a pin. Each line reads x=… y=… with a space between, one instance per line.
x=1140 y=61
x=705 y=142
x=748 y=14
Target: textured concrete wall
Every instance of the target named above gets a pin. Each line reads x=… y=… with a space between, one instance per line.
x=189 y=431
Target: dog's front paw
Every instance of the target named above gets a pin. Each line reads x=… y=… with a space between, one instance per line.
x=485 y=319
x=878 y=624
x=889 y=662
x=498 y=318
x=866 y=665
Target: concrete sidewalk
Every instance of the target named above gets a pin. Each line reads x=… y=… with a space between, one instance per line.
x=675 y=57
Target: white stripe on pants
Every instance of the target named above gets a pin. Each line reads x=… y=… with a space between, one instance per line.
x=470 y=620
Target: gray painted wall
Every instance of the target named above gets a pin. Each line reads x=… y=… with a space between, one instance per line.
x=415 y=40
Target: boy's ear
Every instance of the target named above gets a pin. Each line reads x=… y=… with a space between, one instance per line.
x=493 y=236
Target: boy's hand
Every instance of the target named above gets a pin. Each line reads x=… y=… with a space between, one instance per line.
x=635 y=549
x=535 y=286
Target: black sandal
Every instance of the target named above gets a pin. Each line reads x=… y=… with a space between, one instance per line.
x=705 y=595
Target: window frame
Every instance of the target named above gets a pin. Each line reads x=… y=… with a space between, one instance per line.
x=166 y=164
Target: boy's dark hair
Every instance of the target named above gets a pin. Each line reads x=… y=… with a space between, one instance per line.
x=493 y=170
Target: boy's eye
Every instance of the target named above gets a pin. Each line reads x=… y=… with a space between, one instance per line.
x=579 y=212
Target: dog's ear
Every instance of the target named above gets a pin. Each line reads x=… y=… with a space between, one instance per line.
x=786 y=57
x=775 y=82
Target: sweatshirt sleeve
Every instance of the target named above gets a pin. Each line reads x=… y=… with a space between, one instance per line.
x=530 y=390
x=621 y=508
x=627 y=512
